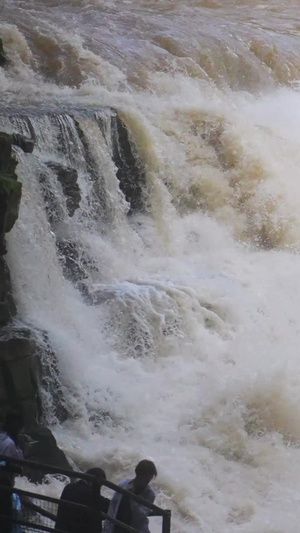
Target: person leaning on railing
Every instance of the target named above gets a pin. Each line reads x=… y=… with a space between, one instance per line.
x=128 y=511
x=9 y=447
x=76 y=519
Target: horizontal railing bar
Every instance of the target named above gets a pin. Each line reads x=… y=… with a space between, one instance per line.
x=50 y=499
x=44 y=466
x=56 y=501
x=53 y=517
x=38 y=496
x=86 y=477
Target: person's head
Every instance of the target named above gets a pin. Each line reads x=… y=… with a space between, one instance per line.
x=145 y=471
x=13 y=422
x=98 y=473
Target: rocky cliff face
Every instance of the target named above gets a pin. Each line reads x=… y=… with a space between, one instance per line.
x=28 y=364
x=20 y=369
x=18 y=382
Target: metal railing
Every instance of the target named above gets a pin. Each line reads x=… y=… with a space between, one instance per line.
x=38 y=512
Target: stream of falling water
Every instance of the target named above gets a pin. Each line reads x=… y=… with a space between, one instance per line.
x=189 y=354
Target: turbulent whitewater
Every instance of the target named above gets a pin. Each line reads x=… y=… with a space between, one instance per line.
x=183 y=344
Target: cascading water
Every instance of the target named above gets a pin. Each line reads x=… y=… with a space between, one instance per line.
x=171 y=306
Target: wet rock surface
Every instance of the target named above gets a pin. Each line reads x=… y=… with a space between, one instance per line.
x=42 y=448
x=10 y=187
x=29 y=370
x=68 y=177
x=18 y=373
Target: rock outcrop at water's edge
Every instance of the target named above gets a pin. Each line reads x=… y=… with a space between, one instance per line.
x=29 y=371
x=17 y=382
x=18 y=372
x=20 y=369
x=10 y=197
x=10 y=188
x=130 y=173
x=44 y=449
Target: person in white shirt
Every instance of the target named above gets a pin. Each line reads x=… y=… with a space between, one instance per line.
x=127 y=510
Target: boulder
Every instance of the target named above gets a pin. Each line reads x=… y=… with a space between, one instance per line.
x=42 y=448
x=18 y=371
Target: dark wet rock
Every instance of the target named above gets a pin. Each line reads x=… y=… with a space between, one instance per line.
x=5 y=314
x=54 y=210
x=7 y=305
x=18 y=370
x=3 y=59
x=130 y=173
x=52 y=397
x=68 y=178
x=29 y=370
x=29 y=376
x=10 y=197
x=72 y=267
x=25 y=143
x=77 y=264
x=43 y=449
x=8 y=161
x=10 y=188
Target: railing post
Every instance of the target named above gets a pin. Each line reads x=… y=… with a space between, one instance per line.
x=166 y=522
x=95 y=515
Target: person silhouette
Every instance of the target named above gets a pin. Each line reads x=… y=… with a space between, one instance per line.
x=128 y=511
x=74 y=520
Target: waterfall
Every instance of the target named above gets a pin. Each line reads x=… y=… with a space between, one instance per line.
x=155 y=259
